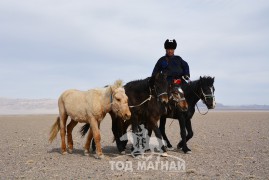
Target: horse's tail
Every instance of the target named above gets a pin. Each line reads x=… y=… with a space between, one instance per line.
x=84 y=129
x=54 y=129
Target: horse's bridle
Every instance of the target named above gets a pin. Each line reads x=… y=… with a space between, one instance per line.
x=206 y=96
x=204 y=100
x=158 y=95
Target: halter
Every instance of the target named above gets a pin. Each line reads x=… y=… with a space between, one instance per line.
x=158 y=95
x=111 y=100
x=206 y=96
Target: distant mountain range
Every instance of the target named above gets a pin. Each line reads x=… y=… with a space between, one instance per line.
x=50 y=106
x=28 y=106
x=220 y=106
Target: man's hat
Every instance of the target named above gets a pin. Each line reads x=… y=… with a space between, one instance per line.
x=170 y=44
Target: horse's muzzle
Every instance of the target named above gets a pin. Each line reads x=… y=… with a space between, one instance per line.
x=127 y=116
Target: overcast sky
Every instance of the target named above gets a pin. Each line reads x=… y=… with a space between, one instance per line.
x=48 y=46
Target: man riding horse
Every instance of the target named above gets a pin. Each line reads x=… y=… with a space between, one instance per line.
x=172 y=65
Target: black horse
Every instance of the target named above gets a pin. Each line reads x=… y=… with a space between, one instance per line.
x=194 y=91
x=146 y=97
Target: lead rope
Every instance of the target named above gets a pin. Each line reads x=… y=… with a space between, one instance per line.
x=171 y=122
x=199 y=110
x=148 y=99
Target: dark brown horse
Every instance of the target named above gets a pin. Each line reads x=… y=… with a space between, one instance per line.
x=147 y=97
x=147 y=113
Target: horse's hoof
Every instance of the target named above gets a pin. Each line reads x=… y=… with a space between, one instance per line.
x=186 y=150
x=179 y=146
x=147 y=151
x=122 y=152
x=64 y=153
x=170 y=149
x=164 y=154
x=99 y=157
x=139 y=156
x=86 y=153
x=70 y=151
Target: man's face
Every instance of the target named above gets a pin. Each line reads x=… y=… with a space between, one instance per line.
x=170 y=52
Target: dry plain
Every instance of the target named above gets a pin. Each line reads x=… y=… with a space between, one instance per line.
x=226 y=145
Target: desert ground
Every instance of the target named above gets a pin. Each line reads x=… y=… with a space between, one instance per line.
x=226 y=145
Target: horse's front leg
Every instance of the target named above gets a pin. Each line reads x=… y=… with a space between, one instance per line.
x=159 y=136
x=135 y=129
x=182 y=124
x=97 y=138
x=189 y=135
x=162 y=129
x=118 y=131
x=93 y=143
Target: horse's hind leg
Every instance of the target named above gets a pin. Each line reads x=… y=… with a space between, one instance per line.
x=70 y=128
x=63 y=120
x=97 y=138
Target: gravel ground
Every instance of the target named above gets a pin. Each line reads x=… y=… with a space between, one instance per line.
x=226 y=145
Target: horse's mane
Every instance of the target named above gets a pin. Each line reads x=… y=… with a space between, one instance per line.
x=117 y=84
x=138 y=85
x=206 y=80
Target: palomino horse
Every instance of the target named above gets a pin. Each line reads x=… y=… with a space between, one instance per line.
x=89 y=107
x=199 y=89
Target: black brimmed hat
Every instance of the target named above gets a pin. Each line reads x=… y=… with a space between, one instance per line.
x=170 y=44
